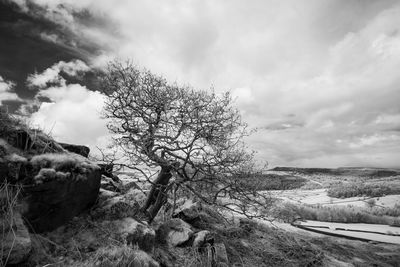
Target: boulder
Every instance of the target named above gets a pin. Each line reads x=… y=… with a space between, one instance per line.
x=129 y=186
x=116 y=207
x=77 y=149
x=133 y=232
x=105 y=195
x=51 y=203
x=15 y=242
x=174 y=232
x=199 y=215
x=107 y=170
x=202 y=239
x=12 y=167
x=164 y=257
x=109 y=184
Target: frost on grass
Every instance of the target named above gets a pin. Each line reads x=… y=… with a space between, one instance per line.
x=48 y=174
x=61 y=166
x=15 y=158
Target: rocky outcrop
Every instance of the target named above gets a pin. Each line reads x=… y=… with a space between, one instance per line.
x=53 y=203
x=56 y=188
x=12 y=168
x=133 y=233
x=115 y=207
x=110 y=185
x=107 y=169
x=197 y=214
x=174 y=232
x=15 y=243
x=77 y=149
x=202 y=239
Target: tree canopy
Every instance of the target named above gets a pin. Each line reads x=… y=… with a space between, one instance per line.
x=194 y=136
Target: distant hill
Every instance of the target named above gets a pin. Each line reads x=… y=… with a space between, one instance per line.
x=354 y=171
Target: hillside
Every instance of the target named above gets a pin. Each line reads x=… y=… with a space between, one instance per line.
x=59 y=208
x=342 y=171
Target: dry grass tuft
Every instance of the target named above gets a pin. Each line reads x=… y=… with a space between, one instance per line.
x=196 y=259
x=20 y=135
x=8 y=205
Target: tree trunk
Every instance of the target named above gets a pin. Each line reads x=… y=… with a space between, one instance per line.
x=158 y=193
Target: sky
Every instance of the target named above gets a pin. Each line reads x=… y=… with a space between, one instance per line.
x=319 y=79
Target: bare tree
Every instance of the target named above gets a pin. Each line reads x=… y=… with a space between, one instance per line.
x=192 y=135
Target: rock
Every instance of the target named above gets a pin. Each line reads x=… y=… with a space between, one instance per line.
x=117 y=207
x=53 y=203
x=133 y=232
x=109 y=184
x=164 y=257
x=107 y=170
x=199 y=215
x=202 y=238
x=105 y=195
x=15 y=243
x=12 y=167
x=77 y=149
x=174 y=232
x=130 y=185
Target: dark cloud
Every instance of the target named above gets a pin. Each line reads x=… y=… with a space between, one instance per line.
x=30 y=42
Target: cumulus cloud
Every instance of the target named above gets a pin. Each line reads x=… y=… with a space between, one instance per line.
x=52 y=75
x=6 y=92
x=72 y=114
x=319 y=78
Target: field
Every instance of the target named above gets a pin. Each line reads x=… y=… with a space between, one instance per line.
x=361 y=198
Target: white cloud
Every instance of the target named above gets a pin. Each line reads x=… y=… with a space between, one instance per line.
x=6 y=92
x=51 y=75
x=73 y=116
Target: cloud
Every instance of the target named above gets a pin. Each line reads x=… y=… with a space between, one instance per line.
x=52 y=75
x=72 y=112
x=6 y=91
x=320 y=78
x=73 y=116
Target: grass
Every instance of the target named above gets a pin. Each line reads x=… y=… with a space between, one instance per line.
x=289 y=212
x=254 y=244
x=196 y=259
x=347 y=190
x=262 y=245
x=8 y=205
x=29 y=140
